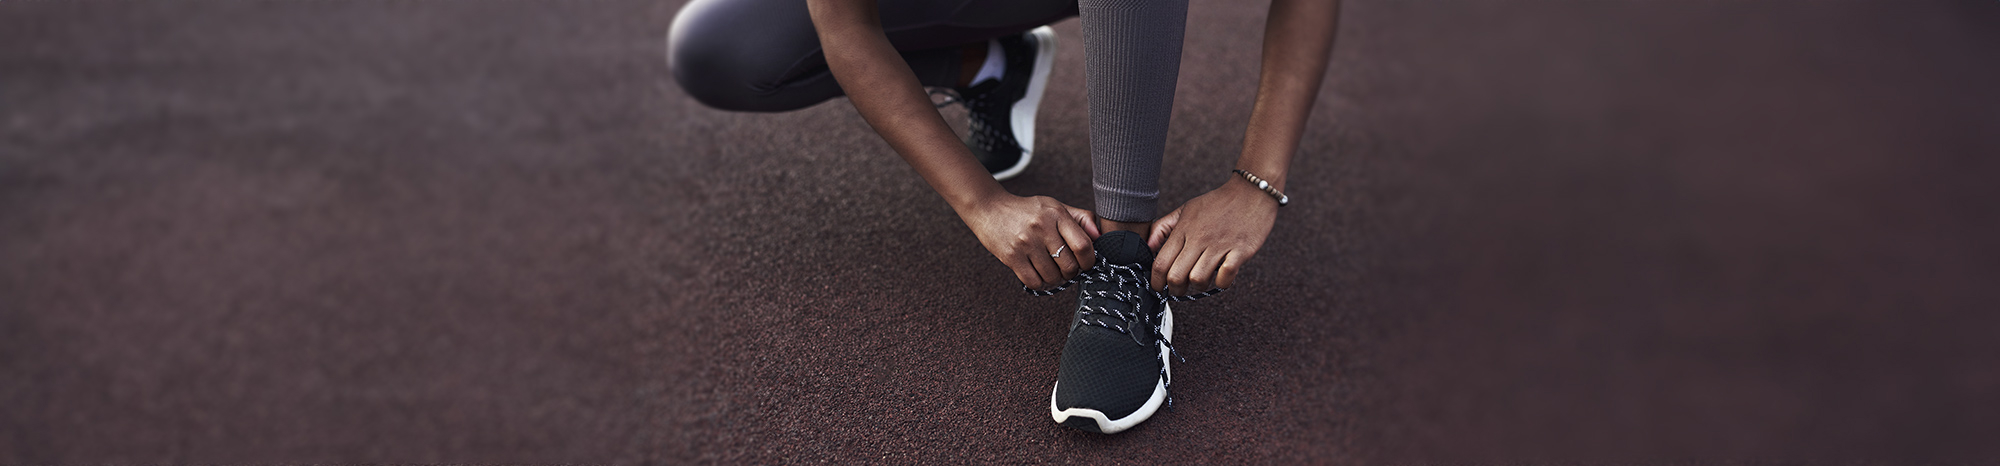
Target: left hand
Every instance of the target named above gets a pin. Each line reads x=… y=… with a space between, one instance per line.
x=1205 y=242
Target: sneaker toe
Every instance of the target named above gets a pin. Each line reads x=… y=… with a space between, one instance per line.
x=1103 y=370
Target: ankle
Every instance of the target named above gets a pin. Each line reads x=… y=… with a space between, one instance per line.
x=1107 y=226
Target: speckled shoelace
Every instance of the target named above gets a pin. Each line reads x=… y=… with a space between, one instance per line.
x=1121 y=276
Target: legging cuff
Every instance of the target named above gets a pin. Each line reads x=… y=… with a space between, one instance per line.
x=1126 y=206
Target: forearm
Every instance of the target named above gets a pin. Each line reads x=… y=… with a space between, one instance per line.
x=1298 y=43
x=887 y=94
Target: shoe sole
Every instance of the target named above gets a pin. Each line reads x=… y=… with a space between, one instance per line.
x=1022 y=117
x=1091 y=420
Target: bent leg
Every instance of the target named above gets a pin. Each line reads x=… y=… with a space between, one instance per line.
x=1133 y=57
x=764 y=55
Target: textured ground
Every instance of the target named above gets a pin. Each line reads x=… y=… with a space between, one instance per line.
x=485 y=231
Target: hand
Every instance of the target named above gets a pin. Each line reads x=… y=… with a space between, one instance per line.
x=1024 y=231
x=1205 y=242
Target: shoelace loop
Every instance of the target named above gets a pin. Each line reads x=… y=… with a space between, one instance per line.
x=1098 y=273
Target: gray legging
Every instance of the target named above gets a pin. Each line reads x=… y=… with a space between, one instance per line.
x=764 y=56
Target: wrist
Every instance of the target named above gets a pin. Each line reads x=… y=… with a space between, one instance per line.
x=1274 y=175
x=1246 y=184
x=977 y=200
x=969 y=191
x=1237 y=186
x=1267 y=162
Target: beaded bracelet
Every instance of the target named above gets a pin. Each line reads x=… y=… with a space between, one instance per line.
x=1282 y=200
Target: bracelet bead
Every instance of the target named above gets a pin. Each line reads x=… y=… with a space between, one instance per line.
x=1264 y=186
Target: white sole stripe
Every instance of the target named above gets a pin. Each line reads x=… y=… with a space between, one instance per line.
x=1146 y=411
x=1022 y=116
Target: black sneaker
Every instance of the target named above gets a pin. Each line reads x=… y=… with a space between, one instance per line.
x=1114 y=371
x=1003 y=110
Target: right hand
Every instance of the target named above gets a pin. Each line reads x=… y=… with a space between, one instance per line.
x=1023 y=231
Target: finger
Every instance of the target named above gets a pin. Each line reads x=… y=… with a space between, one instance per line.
x=1026 y=272
x=1080 y=254
x=1202 y=278
x=1161 y=228
x=1165 y=261
x=1066 y=263
x=1177 y=279
x=1046 y=267
x=1087 y=219
x=1225 y=276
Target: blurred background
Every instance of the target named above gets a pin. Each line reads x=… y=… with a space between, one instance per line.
x=456 y=231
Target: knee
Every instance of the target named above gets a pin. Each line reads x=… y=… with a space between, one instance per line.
x=699 y=58
x=719 y=55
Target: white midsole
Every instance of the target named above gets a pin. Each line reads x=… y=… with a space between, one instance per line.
x=1112 y=426
x=1022 y=116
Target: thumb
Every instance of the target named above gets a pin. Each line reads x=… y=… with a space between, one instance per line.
x=1161 y=228
x=1087 y=218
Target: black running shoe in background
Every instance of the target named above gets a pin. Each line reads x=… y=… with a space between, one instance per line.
x=1003 y=110
x=1114 y=371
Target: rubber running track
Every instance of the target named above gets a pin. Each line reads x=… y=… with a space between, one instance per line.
x=494 y=231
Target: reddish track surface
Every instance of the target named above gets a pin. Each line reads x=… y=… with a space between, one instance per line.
x=458 y=231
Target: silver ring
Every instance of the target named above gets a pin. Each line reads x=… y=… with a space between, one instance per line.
x=1059 y=250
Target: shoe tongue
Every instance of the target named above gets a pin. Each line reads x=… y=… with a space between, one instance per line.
x=1124 y=248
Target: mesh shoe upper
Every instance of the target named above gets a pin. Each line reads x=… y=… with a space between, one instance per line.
x=1111 y=362
x=992 y=135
